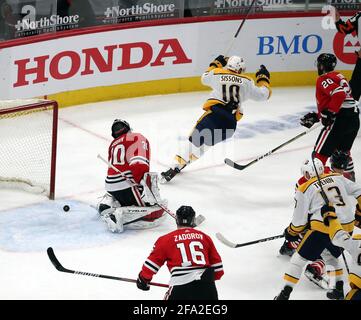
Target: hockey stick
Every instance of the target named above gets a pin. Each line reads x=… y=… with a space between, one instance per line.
x=198 y=220
x=241 y=167
x=228 y=243
x=239 y=28
x=54 y=260
x=327 y=202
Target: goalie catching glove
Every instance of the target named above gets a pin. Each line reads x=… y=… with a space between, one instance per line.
x=309 y=119
x=263 y=74
x=219 y=62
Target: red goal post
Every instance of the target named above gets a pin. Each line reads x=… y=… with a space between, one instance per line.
x=28 y=143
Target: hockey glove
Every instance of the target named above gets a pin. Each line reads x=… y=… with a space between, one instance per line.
x=263 y=74
x=328 y=212
x=358 y=217
x=219 y=62
x=327 y=117
x=291 y=236
x=309 y=119
x=287 y=249
x=142 y=283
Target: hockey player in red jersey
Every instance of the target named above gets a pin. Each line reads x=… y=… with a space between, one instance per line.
x=129 y=153
x=192 y=260
x=337 y=110
x=128 y=181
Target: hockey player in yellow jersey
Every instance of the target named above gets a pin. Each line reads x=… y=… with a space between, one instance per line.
x=230 y=89
x=308 y=214
x=341 y=238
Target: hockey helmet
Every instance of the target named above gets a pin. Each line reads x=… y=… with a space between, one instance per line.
x=119 y=127
x=185 y=216
x=339 y=160
x=236 y=64
x=326 y=62
x=308 y=169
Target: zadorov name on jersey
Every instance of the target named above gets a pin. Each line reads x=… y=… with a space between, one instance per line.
x=188 y=236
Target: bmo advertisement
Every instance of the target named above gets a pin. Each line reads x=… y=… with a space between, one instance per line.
x=129 y=54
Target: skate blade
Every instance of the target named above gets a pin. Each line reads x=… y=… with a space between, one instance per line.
x=323 y=283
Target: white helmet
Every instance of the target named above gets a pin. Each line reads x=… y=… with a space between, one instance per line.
x=236 y=64
x=308 y=168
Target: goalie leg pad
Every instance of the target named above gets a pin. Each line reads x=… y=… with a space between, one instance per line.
x=150 y=217
x=114 y=219
x=107 y=202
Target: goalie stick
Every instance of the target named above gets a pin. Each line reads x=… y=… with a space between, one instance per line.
x=230 y=244
x=198 y=219
x=54 y=260
x=241 y=167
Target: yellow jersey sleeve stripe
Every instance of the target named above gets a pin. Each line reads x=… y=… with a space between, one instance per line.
x=297 y=229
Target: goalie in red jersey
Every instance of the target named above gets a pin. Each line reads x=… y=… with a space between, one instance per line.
x=337 y=110
x=132 y=191
x=192 y=260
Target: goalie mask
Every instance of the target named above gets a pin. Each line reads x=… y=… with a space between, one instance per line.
x=236 y=64
x=308 y=169
x=119 y=127
x=185 y=216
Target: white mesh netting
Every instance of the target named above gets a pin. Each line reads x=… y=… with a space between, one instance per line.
x=26 y=137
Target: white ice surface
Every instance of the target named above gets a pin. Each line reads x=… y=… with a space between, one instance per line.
x=243 y=205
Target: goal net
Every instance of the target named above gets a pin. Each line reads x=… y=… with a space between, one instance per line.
x=28 y=135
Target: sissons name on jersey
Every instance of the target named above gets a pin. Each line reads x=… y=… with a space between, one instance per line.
x=231 y=78
x=187 y=236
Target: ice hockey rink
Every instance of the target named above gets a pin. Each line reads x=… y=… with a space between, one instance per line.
x=243 y=205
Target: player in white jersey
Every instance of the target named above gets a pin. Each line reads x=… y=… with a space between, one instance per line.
x=316 y=270
x=230 y=89
x=341 y=238
x=307 y=214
